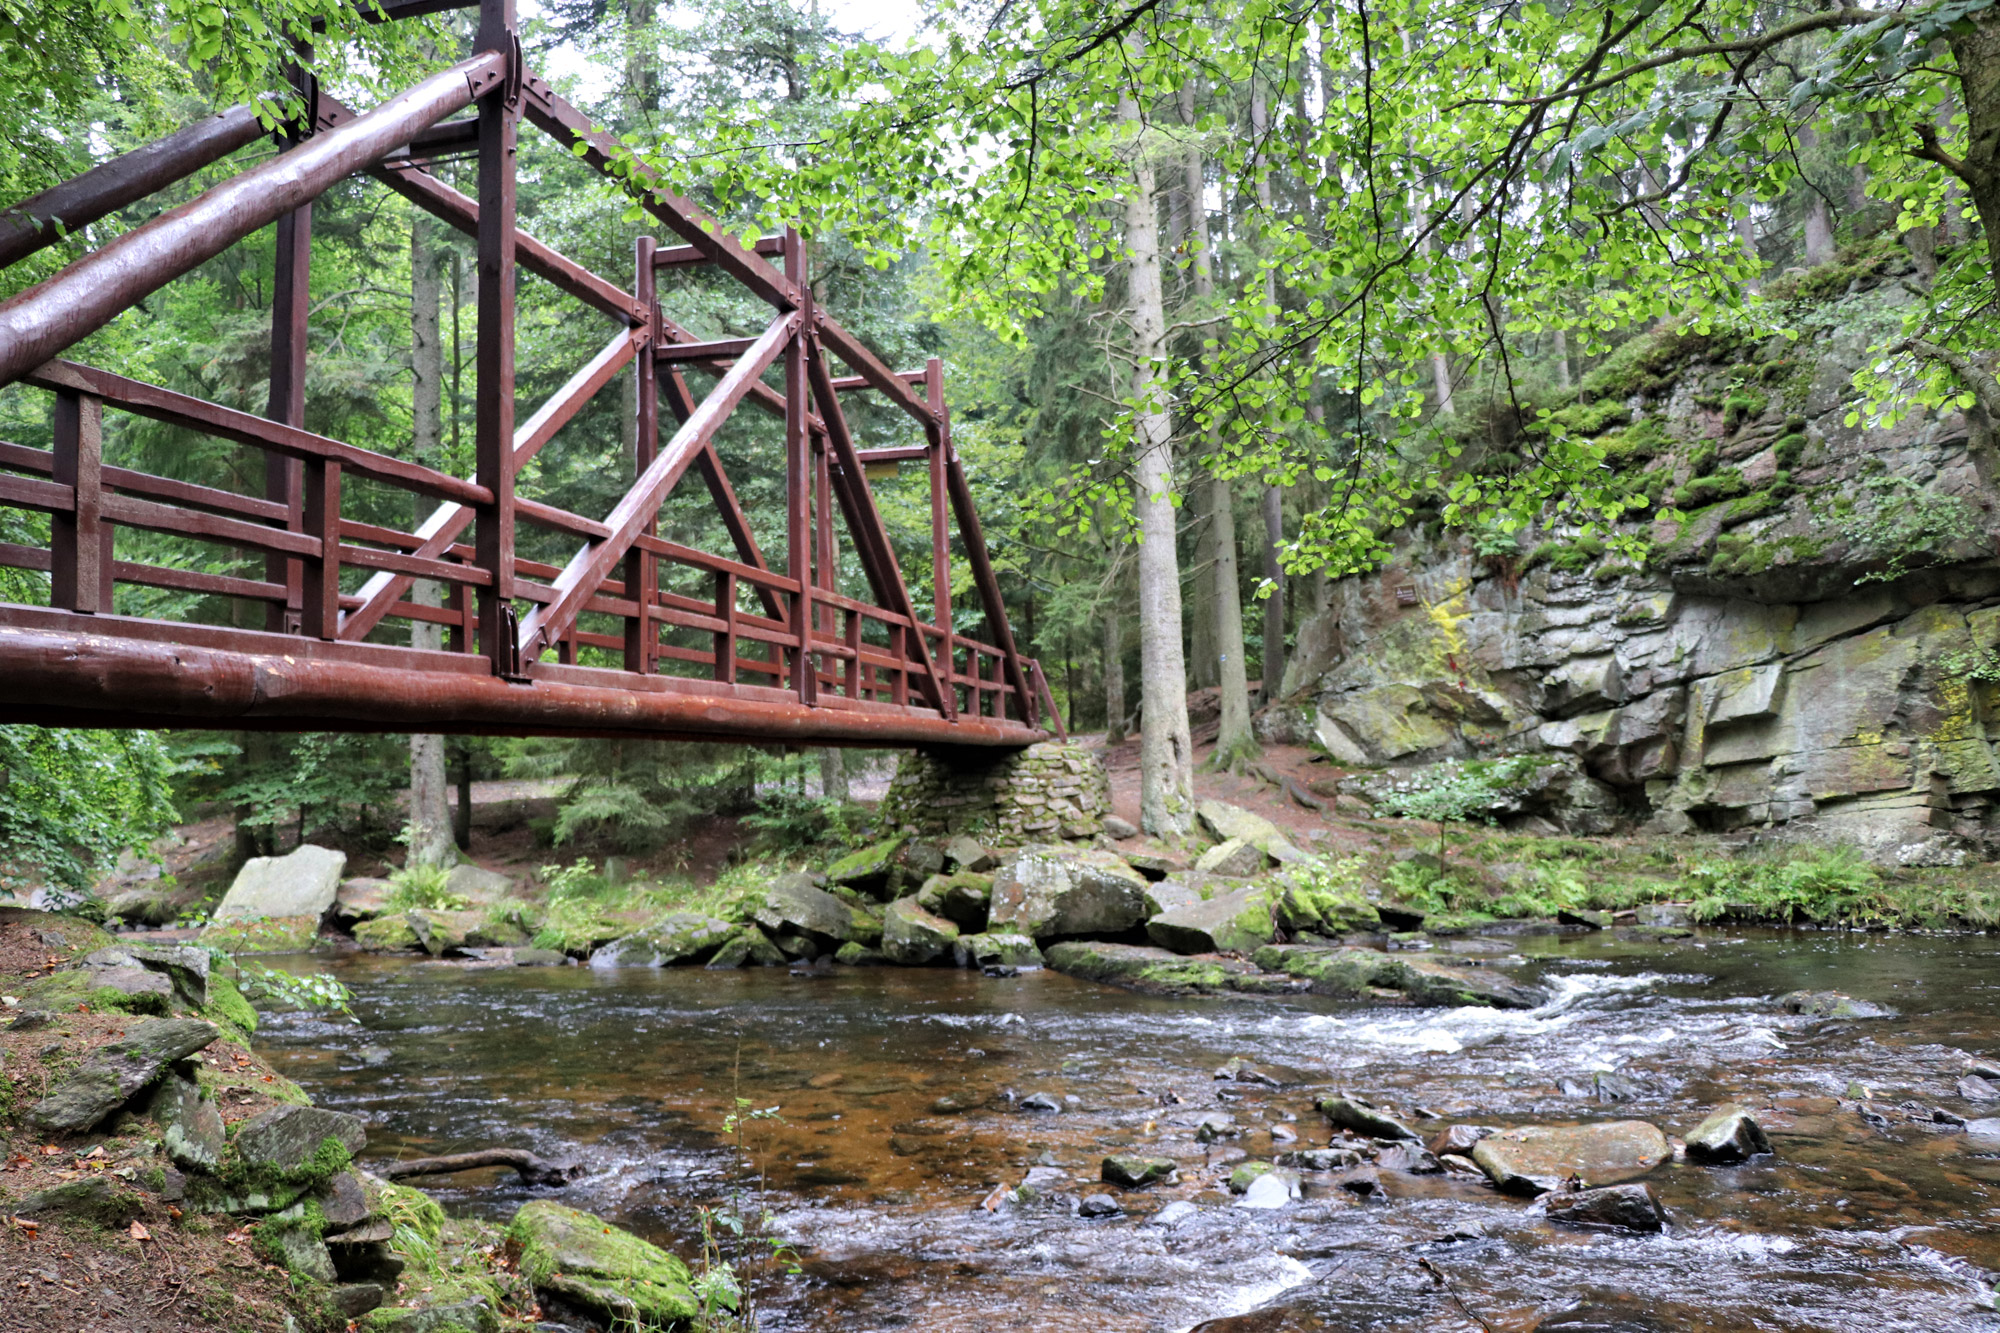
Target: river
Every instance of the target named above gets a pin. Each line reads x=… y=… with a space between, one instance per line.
x=898 y=1094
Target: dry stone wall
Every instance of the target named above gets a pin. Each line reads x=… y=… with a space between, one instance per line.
x=1779 y=662
x=1039 y=794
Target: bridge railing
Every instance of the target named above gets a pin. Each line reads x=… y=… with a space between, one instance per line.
x=308 y=569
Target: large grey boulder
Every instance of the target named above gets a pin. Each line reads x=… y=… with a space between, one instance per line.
x=1240 y=922
x=1053 y=892
x=302 y=883
x=792 y=905
x=1538 y=1159
x=911 y=936
x=477 y=885
x=1225 y=822
x=677 y=937
x=115 y=1071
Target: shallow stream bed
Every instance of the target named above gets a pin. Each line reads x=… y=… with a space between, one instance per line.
x=899 y=1093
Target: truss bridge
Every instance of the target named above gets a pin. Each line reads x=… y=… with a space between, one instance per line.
x=324 y=621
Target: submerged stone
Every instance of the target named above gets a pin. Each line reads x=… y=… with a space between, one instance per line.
x=1348 y=1113
x=611 y=1273
x=1151 y=970
x=1136 y=1172
x=1832 y=1004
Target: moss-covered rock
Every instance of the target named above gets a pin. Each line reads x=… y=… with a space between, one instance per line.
x=117 y=1070
x=1239 y=922
x=867 y=870
x=108 y=990
x=271 y=934
x=988 y=949
x=913 y=937
x=748 y=947
x=393 y=933
x=98 y=1199
x=963 y=898
x=587 y=1262
x=1155 y=971
x=677 y=937
x=61 y=934
x=227 y=1009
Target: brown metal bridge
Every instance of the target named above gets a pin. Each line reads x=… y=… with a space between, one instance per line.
x=316 y=631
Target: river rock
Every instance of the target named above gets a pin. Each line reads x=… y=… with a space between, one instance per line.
x=392 y=933
x=362 y=898
x=1273 y=1189
x=1411 y=1158
x=963 y=853
x=868 y=870
x=1040 y=1101
x=1353 y=973
x=990 y=950
x=285 y=1139
x=1050 y=892
x=115 y=1071
x=1729 y=1135
x=962 y=899
x=1235 y=859
x=1099 y=1205
x=1620 y=1207
x=1350 y=1113
x=1240 y=922
x=1320 y=1159
x=442 y=932
x=676 y=937
x=1459 y=1139
x=748 y=947
x=1974 y=1088
x=913 y=937
x=190 y=1123
x=269 y=934
x=1151 y=970
x=478 y=886
x=792 y=905
x=1536 y=1159
x=303 y=883
x=1225 y=822
x=611 y=1273
x=1238 y=1070
x=1178 y=890
x=854 y=954
x=1832 y=1004
x=1136 y=1172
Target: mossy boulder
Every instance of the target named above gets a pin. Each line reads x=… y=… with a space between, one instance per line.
x=677 y=937
x=793 y=905
x=963 y=898
x=1352 y=973
x=467 y=1316
x=853 y=954
x=271 y=934
x=442 y=932
x=110 y=990
x=1232 y=823
x=98 y=1199
x=748 y=947
x=586 y=1262
x=868 y=870
x=996 y=950
x=190 y=1124
x=1055 y=892
x=1240 y=922
x=1132 y=1172
x=1155 y=971
x=912 y=936
x=394 y=933
x=300 y=1147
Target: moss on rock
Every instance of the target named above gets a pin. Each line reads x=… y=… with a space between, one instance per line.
x=587 y=1262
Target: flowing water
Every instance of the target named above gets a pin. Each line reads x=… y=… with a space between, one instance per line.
x=899 y=1089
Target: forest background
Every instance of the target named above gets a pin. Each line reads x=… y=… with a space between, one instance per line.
x=1228 y=296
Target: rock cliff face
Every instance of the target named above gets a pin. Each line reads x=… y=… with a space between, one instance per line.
x=1804 y=651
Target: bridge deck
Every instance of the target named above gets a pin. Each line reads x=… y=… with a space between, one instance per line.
x=311 y=610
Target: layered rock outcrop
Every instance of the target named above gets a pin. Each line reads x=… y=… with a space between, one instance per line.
x=1804 y=650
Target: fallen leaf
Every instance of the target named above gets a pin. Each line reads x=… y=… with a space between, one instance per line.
x=50 y=1150
x=98 y=1151
x=139 y=1232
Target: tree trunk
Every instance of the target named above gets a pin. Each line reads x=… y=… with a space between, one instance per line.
x=1234 y=743
x=1166 y=755
x=1975 y=46
x=1746 y=233
x=1561 y=340
x=832 y=774
x=1202 y=650
x=1114 y=678
x=1819 y=218
x=430 y=840
x=1274 y=494
x=461 y=824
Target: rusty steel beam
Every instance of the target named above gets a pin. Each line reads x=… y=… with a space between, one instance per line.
x=104 y=189
x=591 y=565
x=680 y=256
x=88 y=294
x=989 y=587
x=63 y=673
